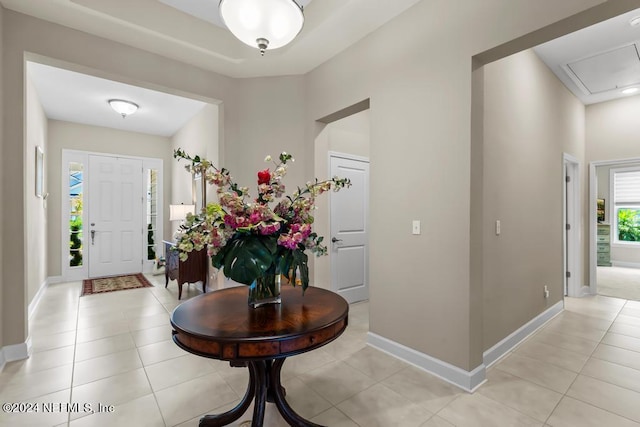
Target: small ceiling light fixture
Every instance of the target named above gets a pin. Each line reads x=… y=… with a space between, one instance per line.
x=635 y=21
x=630 y=90
x=122 y=107
x=263 y=24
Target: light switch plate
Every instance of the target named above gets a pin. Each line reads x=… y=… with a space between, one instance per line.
x=416 y=227
x=497 y=227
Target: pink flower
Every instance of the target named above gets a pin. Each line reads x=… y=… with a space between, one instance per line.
x=286 y=241
x=255 y=218
x=268 y=229
x=230 y=220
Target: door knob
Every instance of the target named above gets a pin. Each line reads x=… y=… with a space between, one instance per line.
x=334 y=240
x=93 y=235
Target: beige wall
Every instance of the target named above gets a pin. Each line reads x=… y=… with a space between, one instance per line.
x=3 y=299
x=419 y=88
x=530 y=119
x=199 y=136
x=36 y=207
x=266 y=116
x=351 y=136
x=612 y=131
x=74 y=136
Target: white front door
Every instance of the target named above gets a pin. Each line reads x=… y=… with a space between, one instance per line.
x=115 y=216
x=350 y=229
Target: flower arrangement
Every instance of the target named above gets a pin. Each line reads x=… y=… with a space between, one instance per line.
x=253 y=239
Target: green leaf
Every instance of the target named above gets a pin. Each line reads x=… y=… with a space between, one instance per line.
x=299 y=263
x=248 y=258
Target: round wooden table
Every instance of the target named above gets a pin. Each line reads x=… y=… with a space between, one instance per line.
x=221 y=325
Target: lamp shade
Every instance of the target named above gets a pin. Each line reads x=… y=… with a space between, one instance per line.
x=179 y=212
x=263 y=24
x=122 y=107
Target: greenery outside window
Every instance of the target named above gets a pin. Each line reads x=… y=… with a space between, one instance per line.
x=152 y=213
x=626 y=205
x=75 y=214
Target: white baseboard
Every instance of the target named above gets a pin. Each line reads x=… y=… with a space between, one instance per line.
x=9 y=353
x=496 y=352
x=36 y=299
x=586 y=290
x=625 y=264
x=468 y=381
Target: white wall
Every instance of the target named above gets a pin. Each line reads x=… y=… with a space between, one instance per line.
x=36 y=207
x=351 y=136
x=74 y=136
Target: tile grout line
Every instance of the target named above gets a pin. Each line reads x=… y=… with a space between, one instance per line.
x=564 y=395
x=73 y=363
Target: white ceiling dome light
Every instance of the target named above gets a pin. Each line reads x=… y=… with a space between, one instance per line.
x=122 y=107
x=263 y=24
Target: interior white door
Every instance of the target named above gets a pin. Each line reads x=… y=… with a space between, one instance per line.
x=115 y=216
x=350 y=230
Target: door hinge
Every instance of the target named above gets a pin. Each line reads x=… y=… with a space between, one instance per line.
x=567 y=178
x=568 y=274
x=568 y=227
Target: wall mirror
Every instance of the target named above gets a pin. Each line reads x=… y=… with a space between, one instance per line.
x=39 y=172
x=199 y=194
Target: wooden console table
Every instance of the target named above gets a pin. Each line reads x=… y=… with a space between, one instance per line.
x=194 y=269
x=221 y=325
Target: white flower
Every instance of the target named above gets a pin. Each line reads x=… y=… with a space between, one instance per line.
x=267 y=159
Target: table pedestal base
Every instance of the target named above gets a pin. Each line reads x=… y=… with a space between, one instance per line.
x=264 y=386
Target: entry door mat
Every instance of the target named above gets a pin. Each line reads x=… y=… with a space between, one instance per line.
x=114 y=283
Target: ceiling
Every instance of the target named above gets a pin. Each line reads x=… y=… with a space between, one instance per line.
x=208 y=10
x=80 y=98
x=593 y=63
x=190 y=31
x=598 y=62
x=156 y=26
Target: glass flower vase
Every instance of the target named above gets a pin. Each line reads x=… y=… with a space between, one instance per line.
x=265 y=290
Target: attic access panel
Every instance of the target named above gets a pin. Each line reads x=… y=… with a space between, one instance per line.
x=611 y=70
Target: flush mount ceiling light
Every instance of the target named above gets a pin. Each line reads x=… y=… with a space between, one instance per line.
x=122 y=107
x=635 y=21
x=263 y=24
x=630 y=90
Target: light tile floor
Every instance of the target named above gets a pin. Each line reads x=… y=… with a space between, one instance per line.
x=582 y=369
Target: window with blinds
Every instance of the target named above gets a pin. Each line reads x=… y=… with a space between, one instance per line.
x=626 y=205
